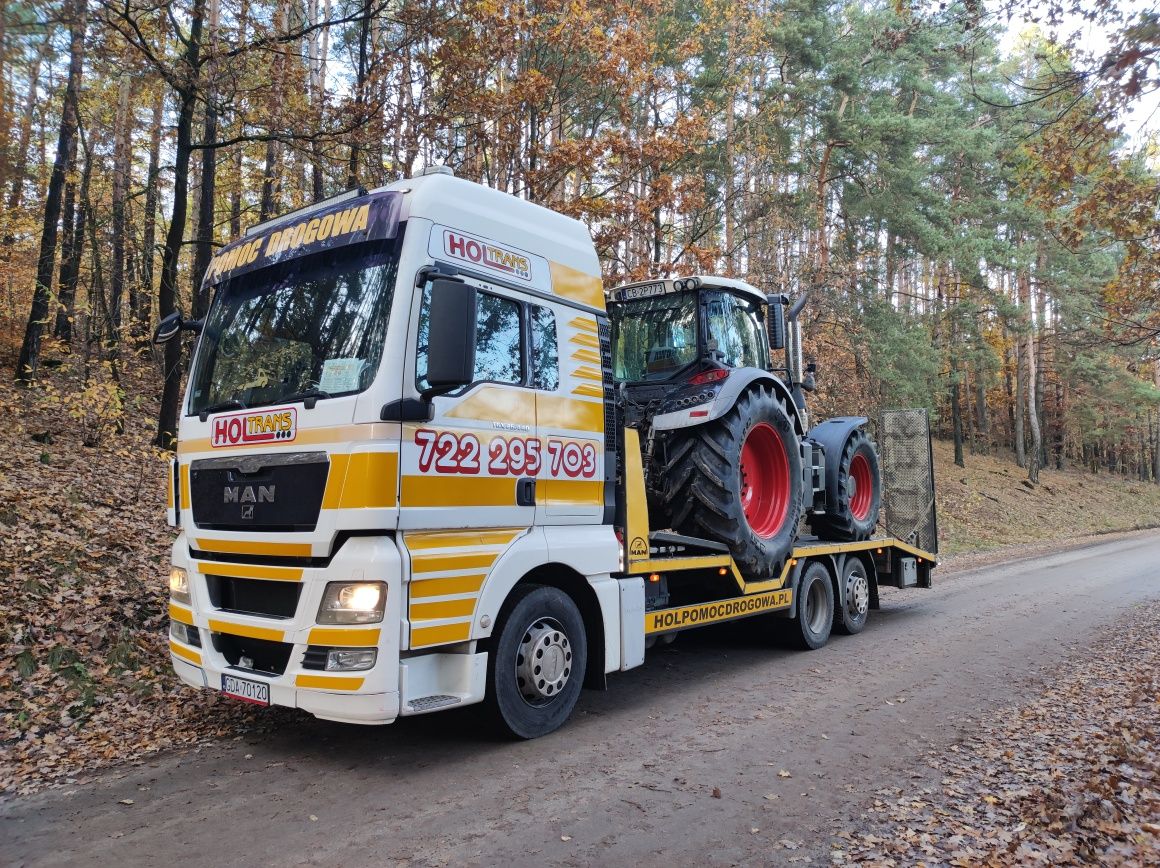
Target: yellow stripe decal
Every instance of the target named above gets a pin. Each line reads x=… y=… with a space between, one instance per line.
x=245 y=630
x=575 y=284
x=328 y=682
x=558 y=492
x=458 y=491
x=326 y=436
x=584 y=323
x=249 y=571
x=441 y=635
x=180 y=613
x=589 y=391
x=245 y=547
x=446 y=587
x=444 y=563
x=498 y=404
x=347 y=638
x=586 y=373
x=555 y=412
x=442 y=609
x=364 y=480
x=185 y=498
x=458 y=539
x=584 y=339
x=586 y=356
x=182 y=651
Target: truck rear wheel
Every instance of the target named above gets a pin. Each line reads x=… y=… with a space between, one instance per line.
x=738 y=480
x=855 y=515
x=536 y=669
x=850 y=617
x=815 y=608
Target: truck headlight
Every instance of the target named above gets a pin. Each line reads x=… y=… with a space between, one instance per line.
x=179 y=585
x=353 y=603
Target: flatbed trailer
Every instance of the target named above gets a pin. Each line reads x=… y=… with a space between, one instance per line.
x=658 y=557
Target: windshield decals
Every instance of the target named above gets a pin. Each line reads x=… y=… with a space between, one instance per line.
x=362 y=219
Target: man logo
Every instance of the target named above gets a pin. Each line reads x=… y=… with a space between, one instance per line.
x=248 y=511
x=240 y=494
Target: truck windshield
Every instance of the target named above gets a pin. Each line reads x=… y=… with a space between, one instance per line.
x=653 y=337
x=313 y=326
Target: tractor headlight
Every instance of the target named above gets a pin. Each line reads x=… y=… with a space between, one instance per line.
x=179 y=585
x=353 y=603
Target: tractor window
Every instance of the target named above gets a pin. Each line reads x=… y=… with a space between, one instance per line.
x=733 y=331
x=653 y=338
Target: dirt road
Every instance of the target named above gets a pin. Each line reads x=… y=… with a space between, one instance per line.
x=719 y=750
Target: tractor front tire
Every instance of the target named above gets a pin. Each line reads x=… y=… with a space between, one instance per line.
x=855 y=515
x=738 y=480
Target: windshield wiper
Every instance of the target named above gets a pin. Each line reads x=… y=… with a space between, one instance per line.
x=231 y=404
x=309 y=397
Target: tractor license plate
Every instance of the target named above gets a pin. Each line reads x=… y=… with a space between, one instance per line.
x=256 y=692
x=649 y=289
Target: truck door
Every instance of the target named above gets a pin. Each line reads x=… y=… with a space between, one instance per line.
x=475 y=462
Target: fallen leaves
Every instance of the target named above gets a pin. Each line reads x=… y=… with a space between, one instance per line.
x=1072 y=776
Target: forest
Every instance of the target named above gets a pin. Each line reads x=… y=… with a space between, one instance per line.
x=959 y=186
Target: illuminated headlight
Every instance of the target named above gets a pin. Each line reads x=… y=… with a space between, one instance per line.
x=179 y=585
x=350 y=659
x=353 y=603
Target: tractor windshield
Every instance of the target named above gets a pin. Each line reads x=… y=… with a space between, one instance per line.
x=313 y=325
x=653 y=338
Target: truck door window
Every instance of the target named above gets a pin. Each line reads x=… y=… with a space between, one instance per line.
x=499 y=353
x=545 y=353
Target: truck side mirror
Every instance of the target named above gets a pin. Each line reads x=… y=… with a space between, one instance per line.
x=451 y=336
x=168 y=328
x=775 y=321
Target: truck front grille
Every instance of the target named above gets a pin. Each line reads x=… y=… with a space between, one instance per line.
x=257 y=655
x=279 y=493
x=270 y=599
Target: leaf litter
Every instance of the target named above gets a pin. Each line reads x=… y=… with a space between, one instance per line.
x=1071 y=777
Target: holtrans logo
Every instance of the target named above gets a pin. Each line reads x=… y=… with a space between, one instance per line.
x=243 y=429
x=468 y=249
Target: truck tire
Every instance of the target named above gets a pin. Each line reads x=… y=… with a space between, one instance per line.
x=536 y=668
x=855 y=515
x=850 y=617
x=738 y=480
x=815 y=608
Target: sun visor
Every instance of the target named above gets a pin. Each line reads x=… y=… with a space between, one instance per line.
x=371 y=217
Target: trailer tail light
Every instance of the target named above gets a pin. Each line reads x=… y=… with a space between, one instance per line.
x=654 y=577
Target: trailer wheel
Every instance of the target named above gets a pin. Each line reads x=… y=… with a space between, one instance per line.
x=850 y=618
x=738 y=480
x=855 y=515
x=815 y=608
x=537 y=666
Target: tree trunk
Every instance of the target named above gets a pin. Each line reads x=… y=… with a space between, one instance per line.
x=203 y=248
x=70 y=266
x=122 y=165
x=38 y=315
x=149 y=235
x=167 y=293
x=360 y=91
x=20 y=167
x=62 y=328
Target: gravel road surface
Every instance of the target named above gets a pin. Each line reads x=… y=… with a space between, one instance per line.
x=720 y=750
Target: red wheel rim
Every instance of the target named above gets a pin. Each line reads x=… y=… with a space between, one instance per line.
x=863 y=487
x=764 y=480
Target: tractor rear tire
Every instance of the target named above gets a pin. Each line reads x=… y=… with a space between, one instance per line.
x=855 y=515
x=738 y=480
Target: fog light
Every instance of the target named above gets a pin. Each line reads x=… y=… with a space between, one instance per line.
x=353 y=603
x=350 y=659
x=179 y=585
x=184 y=633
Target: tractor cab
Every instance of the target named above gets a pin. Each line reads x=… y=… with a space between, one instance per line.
x=676 y=342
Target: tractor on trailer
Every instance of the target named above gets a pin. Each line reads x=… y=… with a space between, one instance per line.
x=422 y=464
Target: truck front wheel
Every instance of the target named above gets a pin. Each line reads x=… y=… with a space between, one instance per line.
x=536 y=669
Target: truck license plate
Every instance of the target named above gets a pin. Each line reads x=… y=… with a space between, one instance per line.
x=256 y=692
